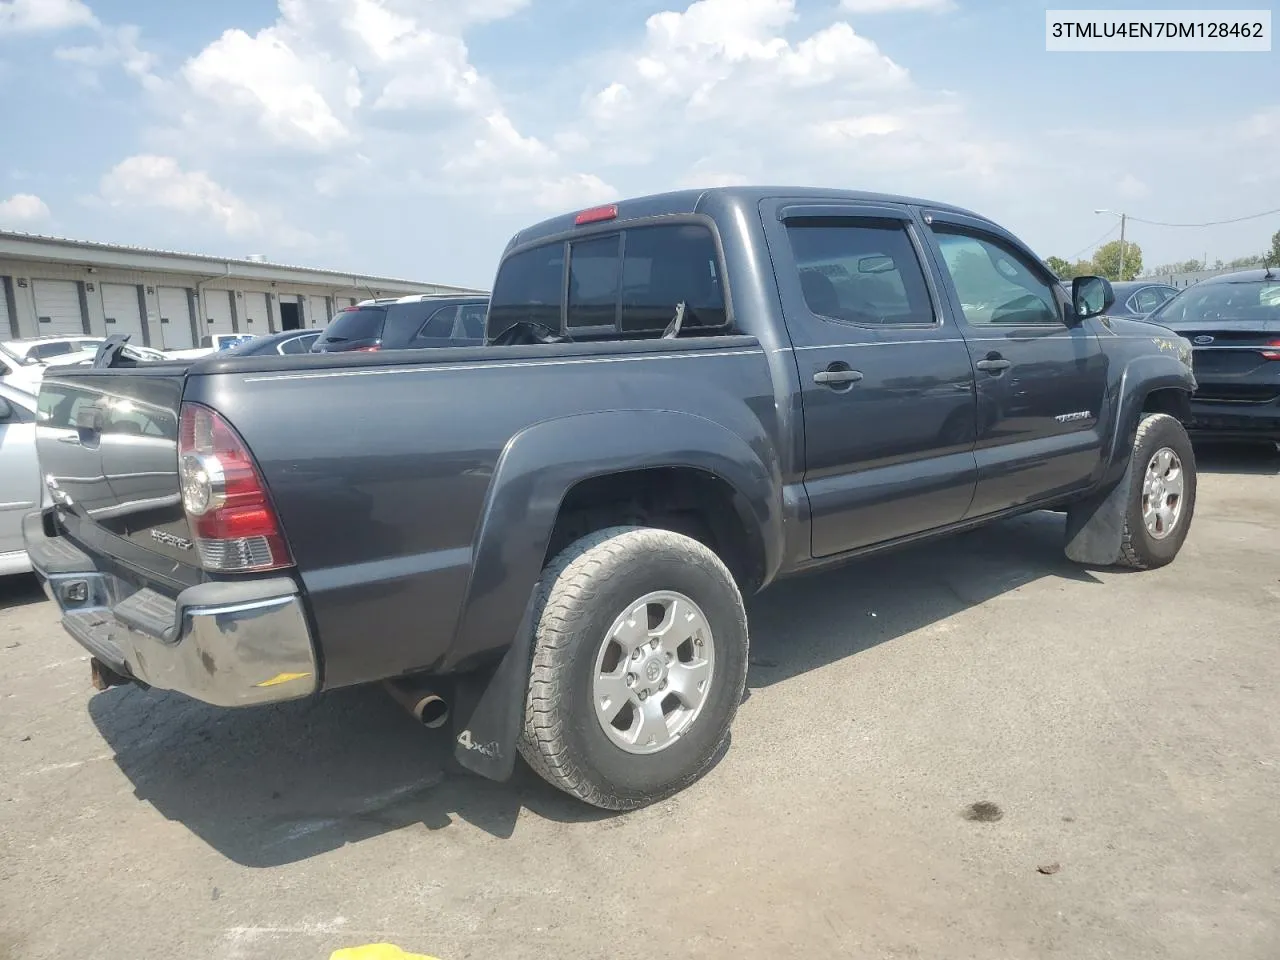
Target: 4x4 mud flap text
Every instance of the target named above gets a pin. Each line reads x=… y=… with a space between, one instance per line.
x=489 y=707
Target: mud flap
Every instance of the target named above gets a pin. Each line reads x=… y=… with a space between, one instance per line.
x=1095 y=527
x=489 y=707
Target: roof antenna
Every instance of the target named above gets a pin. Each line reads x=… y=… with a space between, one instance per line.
x=1266 y=264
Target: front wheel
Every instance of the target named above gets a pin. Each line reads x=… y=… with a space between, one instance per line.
x=640 y=659
x=1162 y=494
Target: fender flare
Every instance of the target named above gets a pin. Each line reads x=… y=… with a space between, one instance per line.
x=542 y=463
x=1095 y=525
x=1141 y=376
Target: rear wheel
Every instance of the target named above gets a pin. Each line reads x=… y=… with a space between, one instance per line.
x=639 y=664
x=1162 y=494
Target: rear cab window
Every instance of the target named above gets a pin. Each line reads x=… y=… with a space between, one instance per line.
x=362 y=324
x=621 y=284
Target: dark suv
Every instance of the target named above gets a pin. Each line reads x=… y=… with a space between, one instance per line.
x=406 y=324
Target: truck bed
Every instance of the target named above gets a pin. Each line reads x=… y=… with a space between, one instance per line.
x=381 y=468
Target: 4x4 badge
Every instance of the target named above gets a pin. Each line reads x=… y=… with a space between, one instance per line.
x=170 y=540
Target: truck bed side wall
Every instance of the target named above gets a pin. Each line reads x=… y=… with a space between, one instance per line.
x=382 y=474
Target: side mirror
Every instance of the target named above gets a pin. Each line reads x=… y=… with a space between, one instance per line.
x=1091 y=296
x=6 y=410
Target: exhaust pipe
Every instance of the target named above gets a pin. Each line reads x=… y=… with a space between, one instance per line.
x=427 y=706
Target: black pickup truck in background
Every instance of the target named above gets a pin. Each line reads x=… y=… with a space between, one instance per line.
x=681 y=399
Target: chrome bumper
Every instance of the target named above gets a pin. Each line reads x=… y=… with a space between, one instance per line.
x=231 y=644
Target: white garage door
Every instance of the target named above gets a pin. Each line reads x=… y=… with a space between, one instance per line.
x=121 y=310
x=6 y=329
x=257 y=318
x=317 y=312
x=217 y=311
x=175 y=318
x=58 y=308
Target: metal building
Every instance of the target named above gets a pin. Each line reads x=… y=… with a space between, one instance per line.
x=168 y=300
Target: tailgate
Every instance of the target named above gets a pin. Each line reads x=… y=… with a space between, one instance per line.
x=108 y=447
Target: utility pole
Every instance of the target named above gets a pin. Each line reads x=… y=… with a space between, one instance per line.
x=1123 y=218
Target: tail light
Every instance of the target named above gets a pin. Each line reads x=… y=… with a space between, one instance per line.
x=1271 y=351
x=366 y=349
x=232 y=521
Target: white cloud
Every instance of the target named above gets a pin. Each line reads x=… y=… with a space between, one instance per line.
x=23 y=210
x=160 y=183
x=117 y=45
x=1131 y=188
x=34 y=16
x=892 y=6
x=723 y=90
x=282 y=93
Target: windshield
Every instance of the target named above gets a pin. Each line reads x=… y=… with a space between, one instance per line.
x=356 y=325
x=1246 y=300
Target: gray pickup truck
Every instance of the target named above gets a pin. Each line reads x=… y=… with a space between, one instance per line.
x=547 y=538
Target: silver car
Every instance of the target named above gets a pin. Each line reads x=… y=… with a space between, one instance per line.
x=21 y=489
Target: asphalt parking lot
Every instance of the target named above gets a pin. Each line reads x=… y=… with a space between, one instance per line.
x=1118 y=732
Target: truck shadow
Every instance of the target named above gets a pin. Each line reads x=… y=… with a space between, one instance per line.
x=272 y=785
x=1239 y=459
x=810 y=621
x=20 y=590
x=276 y=784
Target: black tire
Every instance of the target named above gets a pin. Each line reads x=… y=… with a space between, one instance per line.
x=1140 y=549
x=582 y=592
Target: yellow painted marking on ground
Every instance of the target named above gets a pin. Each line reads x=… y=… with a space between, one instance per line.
x=376 y=951
x=280 y=678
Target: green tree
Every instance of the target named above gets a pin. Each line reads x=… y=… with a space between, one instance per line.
x=1107 y=261
x=1273 y=255
x=1061 y=269
x=1190 y=266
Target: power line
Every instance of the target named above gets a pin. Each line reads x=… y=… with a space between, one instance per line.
x=1090 y=246
x=1209 y=223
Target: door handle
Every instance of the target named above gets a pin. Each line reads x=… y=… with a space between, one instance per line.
x=994 y=366
x=837 y=377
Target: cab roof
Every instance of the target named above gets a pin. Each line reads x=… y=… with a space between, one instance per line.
x=699 y=201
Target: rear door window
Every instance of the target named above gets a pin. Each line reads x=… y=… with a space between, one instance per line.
x=437 y=329
x=860 y=271
x=297 y=345
x=473 y=315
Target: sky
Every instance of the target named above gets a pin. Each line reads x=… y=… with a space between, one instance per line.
x=412 y=138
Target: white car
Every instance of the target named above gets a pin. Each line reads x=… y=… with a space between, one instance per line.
x=14 y=371
x=44 y=349
x=21 y=489
x=85 y=357
x=211 y=343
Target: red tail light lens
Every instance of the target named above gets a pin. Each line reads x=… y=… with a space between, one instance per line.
x=597 y=215
x=232 y=520
x=1271 y=351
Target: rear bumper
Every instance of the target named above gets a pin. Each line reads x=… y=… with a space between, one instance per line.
x=230 y=644
x=1235 y=420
